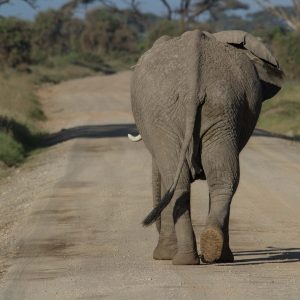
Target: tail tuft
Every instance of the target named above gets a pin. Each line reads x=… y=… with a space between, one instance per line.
x=156 y=211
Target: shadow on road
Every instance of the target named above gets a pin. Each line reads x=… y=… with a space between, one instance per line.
x=113 y=131
x=31 y=140
x=87 y=131
x=268 y=255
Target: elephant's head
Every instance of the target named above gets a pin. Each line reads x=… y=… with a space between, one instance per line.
x=270 y=74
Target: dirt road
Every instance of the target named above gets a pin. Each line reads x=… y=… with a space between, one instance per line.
x=70 y=224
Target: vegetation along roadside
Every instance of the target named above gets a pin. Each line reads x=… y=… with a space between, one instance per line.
x=59 y=45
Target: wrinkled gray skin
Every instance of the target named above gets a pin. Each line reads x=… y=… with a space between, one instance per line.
x=195 y=102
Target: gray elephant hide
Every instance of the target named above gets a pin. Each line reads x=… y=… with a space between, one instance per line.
x=267 y=66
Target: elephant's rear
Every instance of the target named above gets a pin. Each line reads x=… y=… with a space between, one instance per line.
x=161 y=84
x=168 y=73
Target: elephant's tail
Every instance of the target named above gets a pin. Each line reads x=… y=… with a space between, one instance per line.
x=191 y=112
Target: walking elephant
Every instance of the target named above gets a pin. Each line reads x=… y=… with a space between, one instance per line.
x=196 y=100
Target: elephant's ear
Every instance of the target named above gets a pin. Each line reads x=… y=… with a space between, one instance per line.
x=268 y=69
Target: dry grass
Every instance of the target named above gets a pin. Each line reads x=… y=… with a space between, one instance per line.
x=18 y=102
x=282 y=113
x=17 y=98
x=20 y=110
x=43 y=74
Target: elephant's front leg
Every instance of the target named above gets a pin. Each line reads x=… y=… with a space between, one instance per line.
x=221 y=165
x=177 y=239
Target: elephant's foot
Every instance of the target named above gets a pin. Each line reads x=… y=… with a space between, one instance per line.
x=211 y=244
x=226 y=257
x=165 y=251
x=190 y=258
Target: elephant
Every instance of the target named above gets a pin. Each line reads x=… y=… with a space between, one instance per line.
x=195 y=100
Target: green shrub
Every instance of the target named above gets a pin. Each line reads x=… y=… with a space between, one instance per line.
x=15 y=45
x=104 y=33
x=11 y=152
x=54 y=33
x=164 y=27
x=286 y=48
x=75 y=28
x=282 y=113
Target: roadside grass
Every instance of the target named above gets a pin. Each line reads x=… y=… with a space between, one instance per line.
x=11 y=152
x=44 y=74
x=18 y=99
x=120 y=62
x=20 y=110
x=281 y=114
x=71 y=66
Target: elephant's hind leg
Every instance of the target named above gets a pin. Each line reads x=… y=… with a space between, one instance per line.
x=167 y=242
x=177 y=216
x=221 y=165
x=187 y=253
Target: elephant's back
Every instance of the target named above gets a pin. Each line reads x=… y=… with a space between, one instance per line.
x=166 y=75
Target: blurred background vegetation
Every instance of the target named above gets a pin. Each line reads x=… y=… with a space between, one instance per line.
x=60 y=44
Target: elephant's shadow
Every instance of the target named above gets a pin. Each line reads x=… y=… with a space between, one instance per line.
x=266 y=256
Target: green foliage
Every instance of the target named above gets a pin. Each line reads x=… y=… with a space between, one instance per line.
x=11 y=152
x=73 y=65
x=105 y=32
x=163 y=27
x=43 y=74
x=35 y=112
x=286 y=48
x=15 y=45
x=89 y=60
x=19 y=132
x=54 y=33
x=282 y=113
x=74 y=28
x=17 y=97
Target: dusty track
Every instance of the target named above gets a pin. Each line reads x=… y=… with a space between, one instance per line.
x=70 y=218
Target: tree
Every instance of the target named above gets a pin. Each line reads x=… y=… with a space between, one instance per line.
x=15 y=38
x=51 y=34
x=71 y=5
x=189 y=10
x=286 y=48
x=169 y=9
x=291 y=19
x=106 y=32
x=132 y=12
x=32 y=3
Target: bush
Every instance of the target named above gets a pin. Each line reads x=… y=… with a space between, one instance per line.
x=286 y=48
x=89 y=60
x=105 y=33
x=75 y=28
x=164 y=27
x=53 y=34
x=11 y=152
x=15 y=45
x=282 y=113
